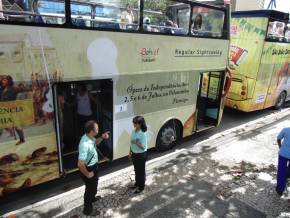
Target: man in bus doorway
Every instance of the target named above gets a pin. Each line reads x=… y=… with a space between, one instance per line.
x=84 y=107
x=283 y=141
x=88 y=164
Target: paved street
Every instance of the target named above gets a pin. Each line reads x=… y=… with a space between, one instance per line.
x=229 y=173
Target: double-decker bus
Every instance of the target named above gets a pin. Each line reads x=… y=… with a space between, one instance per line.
x=260 y=58
x=63 y=62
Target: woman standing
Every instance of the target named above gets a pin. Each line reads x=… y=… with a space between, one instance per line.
x=138 y=152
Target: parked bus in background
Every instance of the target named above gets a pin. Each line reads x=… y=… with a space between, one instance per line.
x=260 y=57
x=108 y=61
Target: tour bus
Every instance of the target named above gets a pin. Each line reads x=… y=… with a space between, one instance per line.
x=260 y=58
x=64 y=62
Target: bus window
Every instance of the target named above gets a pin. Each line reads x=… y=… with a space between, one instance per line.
x=287 y=33
x=276 y=31
x=207 y=22
x=51 y=11
x=1 y=11
x=117 y=15
x=168 y=18
x=36 y=11
x=81 y=14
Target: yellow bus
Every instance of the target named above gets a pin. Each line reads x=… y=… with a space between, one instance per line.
x=63 y=62
x=260 y=57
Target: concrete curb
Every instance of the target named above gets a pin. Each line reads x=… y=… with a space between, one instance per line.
x=56 y=203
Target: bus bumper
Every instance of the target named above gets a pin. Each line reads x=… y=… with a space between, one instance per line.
x=243 y=105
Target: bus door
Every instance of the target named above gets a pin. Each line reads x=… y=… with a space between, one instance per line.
x=209 y=100
x=78 y=102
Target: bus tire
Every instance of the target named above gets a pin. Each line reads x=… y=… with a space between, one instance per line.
x=280 y=101
x=168 y=135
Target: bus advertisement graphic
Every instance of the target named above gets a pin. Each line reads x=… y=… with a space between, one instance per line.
x=16 y=113
x=237 y=55
x=28 y=150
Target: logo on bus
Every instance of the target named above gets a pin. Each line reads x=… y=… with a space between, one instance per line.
x=149 y=54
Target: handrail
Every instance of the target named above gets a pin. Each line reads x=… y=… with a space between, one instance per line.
x=12 y=12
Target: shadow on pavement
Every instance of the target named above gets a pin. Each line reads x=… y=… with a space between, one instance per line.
x=194 y=185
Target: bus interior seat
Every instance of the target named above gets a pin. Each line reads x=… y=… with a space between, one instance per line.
x=106 y=25
x=146 y=28
x=133 y=27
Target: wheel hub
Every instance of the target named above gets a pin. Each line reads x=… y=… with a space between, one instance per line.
x=168 y=136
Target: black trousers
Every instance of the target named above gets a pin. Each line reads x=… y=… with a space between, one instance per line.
x=91 y=188
x=20 y=133
x=139 y=161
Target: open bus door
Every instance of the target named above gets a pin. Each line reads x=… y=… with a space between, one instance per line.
x=209 y=101
x=70 y=124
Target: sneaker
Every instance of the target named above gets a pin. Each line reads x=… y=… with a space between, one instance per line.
x=92 y=213
x=138 y=191
x=133 y=187
x=19 y=142
x=97 y=198
x=278 y=192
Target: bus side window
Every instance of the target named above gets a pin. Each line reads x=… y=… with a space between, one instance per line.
x=81 y=14
x=36 y=11
x=114 y=14
x=287 y=33
x=168 y=18
x=1 y=11
x=207 y=22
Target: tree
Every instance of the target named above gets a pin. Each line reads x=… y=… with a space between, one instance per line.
x=154 y=5
x=151 y=5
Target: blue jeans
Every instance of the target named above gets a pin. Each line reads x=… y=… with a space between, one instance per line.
x=283 y=173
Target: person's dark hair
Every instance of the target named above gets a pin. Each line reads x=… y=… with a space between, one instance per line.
x=10 y=80
x=197 y=22
x=89 y=126
x=82 y=88
x=141 y=121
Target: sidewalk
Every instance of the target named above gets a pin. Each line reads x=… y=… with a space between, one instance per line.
x=229 y=175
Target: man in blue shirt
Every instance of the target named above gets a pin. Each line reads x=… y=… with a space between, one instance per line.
x=87 y=163
x=283 y=141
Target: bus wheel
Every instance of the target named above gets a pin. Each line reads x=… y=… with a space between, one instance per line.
x=280 y=101
x=168 y=135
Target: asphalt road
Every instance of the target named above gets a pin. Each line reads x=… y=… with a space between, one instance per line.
x=230 y=119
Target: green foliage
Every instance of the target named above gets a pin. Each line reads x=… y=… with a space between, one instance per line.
x=154 y=5
x=134 y=3
x=151 y=5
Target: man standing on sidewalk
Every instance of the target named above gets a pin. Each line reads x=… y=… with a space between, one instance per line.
x=284 y=159
x=87 y=163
